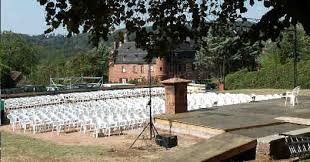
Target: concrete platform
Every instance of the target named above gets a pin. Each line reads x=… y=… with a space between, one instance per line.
x=239 y=118
x=259 y=120
x=222 y=147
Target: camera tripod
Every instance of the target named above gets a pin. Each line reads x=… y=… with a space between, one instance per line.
x=150 y=124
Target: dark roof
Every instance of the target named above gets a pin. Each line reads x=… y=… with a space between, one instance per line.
x=187 y=46
x=186 y=50
x=127 y=53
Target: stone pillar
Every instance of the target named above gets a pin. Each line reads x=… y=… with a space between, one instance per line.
x=176 y=95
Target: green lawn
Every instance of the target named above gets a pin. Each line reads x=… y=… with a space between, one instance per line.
x=21 y=148
x=303 y=92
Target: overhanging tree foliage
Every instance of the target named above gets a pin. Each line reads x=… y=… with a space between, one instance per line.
x=172 y=20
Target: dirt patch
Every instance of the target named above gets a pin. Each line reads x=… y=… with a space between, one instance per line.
x=115 y=148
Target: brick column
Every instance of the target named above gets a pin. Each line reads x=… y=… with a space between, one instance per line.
x=176 y=95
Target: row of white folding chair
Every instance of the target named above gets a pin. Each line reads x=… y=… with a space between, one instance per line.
x=229 y=99
x=14 y=103
x=62 y=108
x=116 y=124
x=200 y=100
x=85 y=96
x=115 y=93
x=265 y=97
x=30 y=115
x=40 y=121
x=112 y=123
x=119 y=122
x=205 y=100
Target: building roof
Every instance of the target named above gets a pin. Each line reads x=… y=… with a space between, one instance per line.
x=186 y=46
x=127 y=53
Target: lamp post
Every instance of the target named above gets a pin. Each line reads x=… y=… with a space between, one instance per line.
x=293 y=37
x=295 y=56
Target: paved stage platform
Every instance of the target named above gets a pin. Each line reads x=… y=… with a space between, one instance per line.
x=255 y=119
x=263 y=121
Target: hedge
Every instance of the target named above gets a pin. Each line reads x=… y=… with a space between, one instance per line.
x=273 y=76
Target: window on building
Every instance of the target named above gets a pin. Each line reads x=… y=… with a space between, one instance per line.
x=193 y=67
x=142 y=69
x=161 y=68
x=134 y=69
x=123 y=69
x=152 y=68
x=124 y=80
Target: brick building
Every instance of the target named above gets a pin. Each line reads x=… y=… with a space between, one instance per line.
x=128 y=64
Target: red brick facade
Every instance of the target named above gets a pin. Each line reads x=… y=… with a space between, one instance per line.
x=118 y=72
x=128 y=65
x=139 y=72
x=161 y=70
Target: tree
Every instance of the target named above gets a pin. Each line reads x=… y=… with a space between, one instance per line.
x=105 y=53
x=220 y=55
x=172 y=20
x=91 y=63
x=281 y=53
x=16 y=54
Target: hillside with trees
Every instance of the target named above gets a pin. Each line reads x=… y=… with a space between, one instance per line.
x=16 y=54
x=59 y=45
x=40 y=57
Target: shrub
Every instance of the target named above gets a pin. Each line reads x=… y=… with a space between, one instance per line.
x=133 y=82
x=274 y=76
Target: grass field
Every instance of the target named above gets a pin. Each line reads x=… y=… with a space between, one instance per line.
x=73 y=147
x=19 y=148
x=303 y=92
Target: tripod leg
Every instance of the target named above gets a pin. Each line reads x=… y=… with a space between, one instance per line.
x=155 y=130
x=152 y=133
x=139 y=135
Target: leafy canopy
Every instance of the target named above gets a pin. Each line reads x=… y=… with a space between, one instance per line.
x=172 y=20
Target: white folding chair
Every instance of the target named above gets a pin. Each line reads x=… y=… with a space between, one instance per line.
x=292 y=95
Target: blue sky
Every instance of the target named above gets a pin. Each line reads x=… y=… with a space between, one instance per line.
x=23 y=16
x=27 y=16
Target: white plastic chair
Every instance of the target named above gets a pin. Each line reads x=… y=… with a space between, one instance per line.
x=292 y=95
